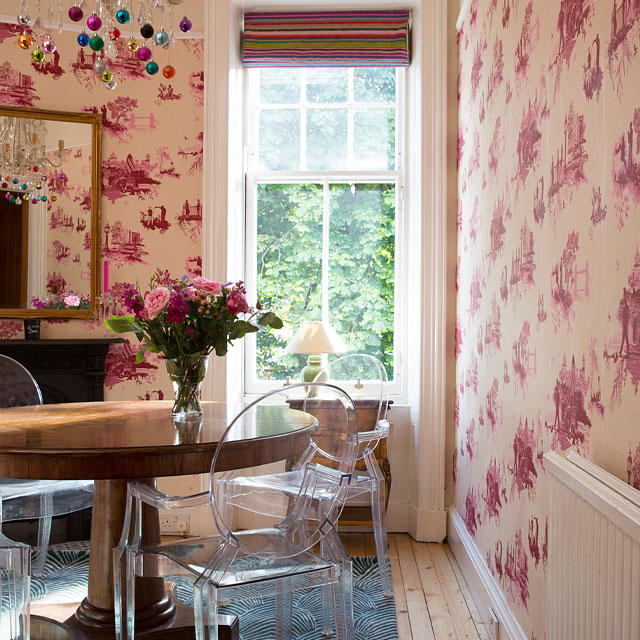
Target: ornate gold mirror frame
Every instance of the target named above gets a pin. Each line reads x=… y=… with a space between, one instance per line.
x=95 y=120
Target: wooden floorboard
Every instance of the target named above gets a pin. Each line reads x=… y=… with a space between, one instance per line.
x=432 y=599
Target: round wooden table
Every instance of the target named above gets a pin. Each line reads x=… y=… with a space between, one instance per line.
x=112 y=442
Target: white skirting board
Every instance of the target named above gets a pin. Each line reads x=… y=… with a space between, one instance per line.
x=485 y=590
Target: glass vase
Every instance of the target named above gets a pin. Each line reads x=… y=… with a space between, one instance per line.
x=187 y=374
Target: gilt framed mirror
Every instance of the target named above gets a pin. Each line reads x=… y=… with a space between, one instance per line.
x=50 y=189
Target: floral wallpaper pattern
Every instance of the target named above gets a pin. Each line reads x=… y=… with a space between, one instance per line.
x=548 y=279
x=151 y=178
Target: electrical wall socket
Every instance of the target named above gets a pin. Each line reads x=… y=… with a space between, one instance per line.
x=174 y=523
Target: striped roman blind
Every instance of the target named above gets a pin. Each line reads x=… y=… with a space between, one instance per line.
x=326 y=39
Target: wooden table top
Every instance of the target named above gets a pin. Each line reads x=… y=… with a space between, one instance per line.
x=110 y=440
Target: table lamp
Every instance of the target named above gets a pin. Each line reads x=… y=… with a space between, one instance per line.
x=315 y=337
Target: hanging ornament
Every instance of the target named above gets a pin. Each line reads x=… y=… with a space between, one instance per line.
x=107 y=76
x=93 y=22
x=146 y=30
x=48 y=44
x=152 y=68
x=114 y=34
x=38 y=185
x=18 y=201
x=54 y=198
x=133 y=45
x=23 y=186
x=162 y=38
x=112 y=84
x=24 y=20
x=34 y=201
x=185 y=25
x=12 y=199
x=75 y=13
x=144 y=53
x=14 y=181
x=96 y=43
x=38 y=55
x=25 y=41
x=123 y=16
x=99 y=66
x=83 y=39
x=168 y=72
x=4 y=186
x=44 y=198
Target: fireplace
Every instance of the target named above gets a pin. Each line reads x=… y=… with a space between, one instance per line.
x=65 y=370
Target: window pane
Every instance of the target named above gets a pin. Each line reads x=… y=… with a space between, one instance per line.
x=361 y=267
x=326 y=139
x=374 y=139
x=289 y=261
x=280 y=139
x=327 y=85
x=280 y=86
x=374 y=85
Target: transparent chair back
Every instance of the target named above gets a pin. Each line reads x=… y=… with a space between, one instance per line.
x=323 y=490
x=366 y=371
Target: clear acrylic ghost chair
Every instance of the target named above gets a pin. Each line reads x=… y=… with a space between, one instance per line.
x=295 y=547
x=347 y=369
x=30 y=499
x=365 y=368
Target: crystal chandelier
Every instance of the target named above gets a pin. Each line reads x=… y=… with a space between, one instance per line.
x=104 y=23
x=24 y=158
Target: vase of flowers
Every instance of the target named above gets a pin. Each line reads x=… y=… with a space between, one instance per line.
x=187 y=374
x=186 y=322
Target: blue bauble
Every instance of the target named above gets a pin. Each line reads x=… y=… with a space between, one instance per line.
x=152 y=68
x=123 y=16
x=83 y=39
x=162 y=38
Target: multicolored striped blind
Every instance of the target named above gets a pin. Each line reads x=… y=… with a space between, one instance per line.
x=326 y=39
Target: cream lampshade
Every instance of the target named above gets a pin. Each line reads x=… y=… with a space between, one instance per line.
x=315 y=337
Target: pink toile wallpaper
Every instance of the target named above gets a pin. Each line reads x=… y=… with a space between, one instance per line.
x=151 y=179
x=548 y=281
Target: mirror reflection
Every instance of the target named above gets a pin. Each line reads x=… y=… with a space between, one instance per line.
x=48 y=211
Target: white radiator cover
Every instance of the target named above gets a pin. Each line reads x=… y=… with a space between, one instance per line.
x=594 y=553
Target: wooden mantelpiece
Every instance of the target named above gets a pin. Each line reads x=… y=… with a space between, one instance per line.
x=66 y=370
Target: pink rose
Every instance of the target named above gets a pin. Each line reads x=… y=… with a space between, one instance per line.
x=156 y=301
x=71 y=300
x=205 y=285
x=237 y=303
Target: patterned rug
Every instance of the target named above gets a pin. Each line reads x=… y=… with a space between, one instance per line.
x=65 y=580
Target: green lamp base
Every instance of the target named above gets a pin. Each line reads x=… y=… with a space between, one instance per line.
x=309 y=373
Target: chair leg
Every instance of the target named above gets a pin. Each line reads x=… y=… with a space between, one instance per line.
x=14 y=588
x=131 y=593
x=379 y=518
x=44 y=534
x=206 y=624
x=345 y=629
x=284 y=606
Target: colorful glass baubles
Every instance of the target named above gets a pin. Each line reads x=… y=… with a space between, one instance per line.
x=83 y=39
x=38 y=55
x=185 y=25
x=146 y=30
x=96 y=43
x=99 y=66
x=144 y=53
x=162 y=38
x=24 y=20
x=152 y=68
x=107 y=76
x=94 y=22
x=168 y=72
x=48 y=45
x=25 y=41
x=112 y=84
x=123 y=16
x=133 y=45
x=75 y=13
x=114 y=34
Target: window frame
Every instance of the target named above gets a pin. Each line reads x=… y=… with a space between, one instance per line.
x=254 y=176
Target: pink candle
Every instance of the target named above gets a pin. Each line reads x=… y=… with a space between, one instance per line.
x=106 y=276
